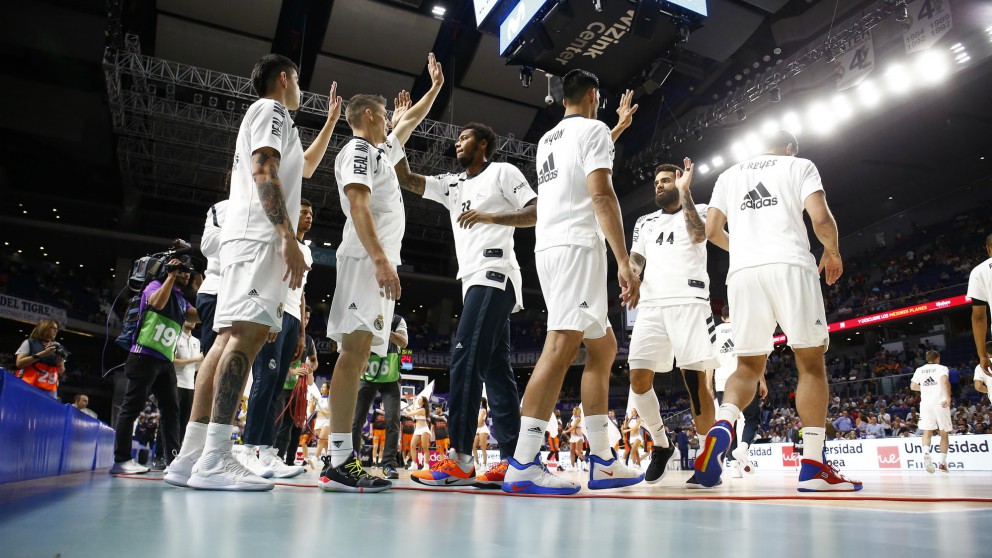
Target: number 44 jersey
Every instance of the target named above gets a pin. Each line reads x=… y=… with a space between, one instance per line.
x=675 y=272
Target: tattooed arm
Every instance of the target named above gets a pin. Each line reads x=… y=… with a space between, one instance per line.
x=637 y=263
x=265 y=172
x=693 y=223
x=409 y=180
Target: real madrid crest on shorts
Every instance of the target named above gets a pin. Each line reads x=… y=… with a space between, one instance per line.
x=279 y=311
x=378 y=322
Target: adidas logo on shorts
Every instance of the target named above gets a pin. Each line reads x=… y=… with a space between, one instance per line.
x=253 y=292
x=818 y=322
x=458 y=346
x=338 y=444
x=728 y=347
x=535 y=429
x=353 y=307
x=758 y=197
x=583 y=305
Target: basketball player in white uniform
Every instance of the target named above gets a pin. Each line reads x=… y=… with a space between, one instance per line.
x=674 y=320
x=485 y=204
x=773 y=277
x=367 y=285
x=260 y=260
x=577 y=209
x=980 y=292
x=740 y=459
x=931 y=380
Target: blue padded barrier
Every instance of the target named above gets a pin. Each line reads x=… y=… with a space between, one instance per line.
x=32 y=429
x=79 y=446
x=104 y=457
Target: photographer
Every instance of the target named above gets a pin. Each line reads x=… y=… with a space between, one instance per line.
x=149 y=365
x=40 y=359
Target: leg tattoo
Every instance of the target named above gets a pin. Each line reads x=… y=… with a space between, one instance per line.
x=234 y=369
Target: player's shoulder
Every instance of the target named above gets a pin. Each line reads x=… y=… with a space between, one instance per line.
x=643 y=219
x=265 y=104
x=982 y=268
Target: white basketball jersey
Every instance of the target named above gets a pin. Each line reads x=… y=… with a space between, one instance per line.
x=675 y=272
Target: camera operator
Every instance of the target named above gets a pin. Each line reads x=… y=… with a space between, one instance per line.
x=149 y=365
x=40 y=360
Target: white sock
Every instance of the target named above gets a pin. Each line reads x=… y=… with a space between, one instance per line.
x=744 y=447
x=216 y=435
x=942 y=458
x=813 y=438
x=530 y=439
x=648 y=409
x=341 y=448
x=728 y=412
x=598 y=433
x=196 y=436
x=465 y=462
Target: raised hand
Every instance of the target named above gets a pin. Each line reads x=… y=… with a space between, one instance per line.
x=434 y=70
x=334 y=104
x=401 y=104
x=625 y=111
x=683 y=178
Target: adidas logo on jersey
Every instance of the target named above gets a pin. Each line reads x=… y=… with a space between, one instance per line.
x=758 y=197
x=352 y=306
x=584 y=305
x=548 y=170
x=930 y=382
x=253 y=292
x=728 y=347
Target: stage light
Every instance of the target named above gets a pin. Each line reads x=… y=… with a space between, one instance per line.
x=698 y=134
x=819 y=118
x=869 y=93
x=775 y=95
x=753 y=143
x=841 y=108
x=957 y=47
x=439 y=11
x=791 y=123
x=681 y=33
x=902 y=14
x=769 y=127
x=933 y=66
x=740 y=114
x=897 y=79
x=739 y=151
x=704 y=168
x=717 y=161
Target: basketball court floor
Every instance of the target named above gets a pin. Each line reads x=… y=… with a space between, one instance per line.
x=897 y=514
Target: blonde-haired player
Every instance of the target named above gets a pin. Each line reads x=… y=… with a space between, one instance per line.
x=931 y=380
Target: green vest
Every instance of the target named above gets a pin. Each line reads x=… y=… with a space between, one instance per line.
x=159 y=333
x=382 y=370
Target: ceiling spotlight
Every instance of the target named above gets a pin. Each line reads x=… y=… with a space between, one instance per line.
x=902 y=13
x=681 y=33
x=698 y=134
x=526 y=75
x=704 y=168
x=740 y=114
x=439 y=11
x=597 y=5
x=769 y=127
x=717 y=161
x=775 y=95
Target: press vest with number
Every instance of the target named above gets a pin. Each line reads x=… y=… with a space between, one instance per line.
x=43 y=374
x=386 y=369
x=160 y=329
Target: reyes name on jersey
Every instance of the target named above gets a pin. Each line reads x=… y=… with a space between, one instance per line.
x=762 y=199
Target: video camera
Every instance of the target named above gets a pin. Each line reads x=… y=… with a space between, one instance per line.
x=156 y=266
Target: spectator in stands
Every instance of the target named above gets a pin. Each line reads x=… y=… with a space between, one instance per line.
x=82 y=402
x=39 y=359
x=874 y=429
x=843 y=424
